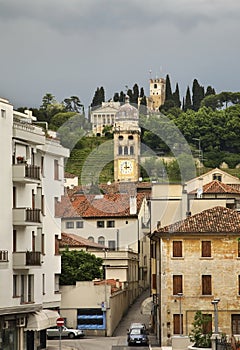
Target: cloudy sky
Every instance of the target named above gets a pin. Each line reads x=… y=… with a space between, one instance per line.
x=71 y=47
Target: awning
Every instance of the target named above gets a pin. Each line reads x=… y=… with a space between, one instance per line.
x=41 y=320
x=146 y=306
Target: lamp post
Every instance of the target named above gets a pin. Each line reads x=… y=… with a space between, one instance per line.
x=215 y=304
x=180 y=295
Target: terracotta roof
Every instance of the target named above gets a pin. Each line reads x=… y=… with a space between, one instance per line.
x=113 y=283
x=89 y=206
x=218 y=187
x=72 y=240
x=69 y=175
x=214 y=220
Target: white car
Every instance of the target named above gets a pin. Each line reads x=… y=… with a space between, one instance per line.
x=65 y=332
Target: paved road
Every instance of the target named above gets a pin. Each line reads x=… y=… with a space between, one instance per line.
x=133 y=315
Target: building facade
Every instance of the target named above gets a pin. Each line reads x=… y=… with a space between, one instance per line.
x=32 y=181
x=194 y=262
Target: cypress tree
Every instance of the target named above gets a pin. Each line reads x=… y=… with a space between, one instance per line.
x=210 y=91
x=188 y=102
x=197 y=95
x=135 y=94
x=168 y=93
x=176 y=97
x=142 y=92
x=116 y=97
x=121 y=97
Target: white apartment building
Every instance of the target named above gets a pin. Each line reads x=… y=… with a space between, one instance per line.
x=32 y=176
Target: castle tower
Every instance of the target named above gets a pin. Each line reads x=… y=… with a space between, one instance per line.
x=157 y=94
x=126 y=143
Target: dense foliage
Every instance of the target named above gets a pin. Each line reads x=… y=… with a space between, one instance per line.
x=200 y=335
x=78 y=265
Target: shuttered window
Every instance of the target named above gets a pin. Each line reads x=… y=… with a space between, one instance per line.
x=177 y=249
x=206 y=285
x=206 y=249
x=177 y=284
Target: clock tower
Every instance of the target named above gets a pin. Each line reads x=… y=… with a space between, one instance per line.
x=126 y=143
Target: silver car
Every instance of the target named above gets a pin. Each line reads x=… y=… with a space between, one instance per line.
x=65 y=332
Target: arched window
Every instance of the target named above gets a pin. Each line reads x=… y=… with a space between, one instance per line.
x=131 y=150
x=91 y=238
x=125 y=150
x=120 y=137
x=130 y=137
x=101 y=240
x=120 y=150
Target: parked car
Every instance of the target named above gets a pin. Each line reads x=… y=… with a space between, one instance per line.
x=138 y=325
x=65 y=332
x=137 y=336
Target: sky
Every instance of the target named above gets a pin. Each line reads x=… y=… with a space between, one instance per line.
x=72 y=47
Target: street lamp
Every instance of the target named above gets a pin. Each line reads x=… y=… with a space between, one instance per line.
x=180 y=295
x=215 y=304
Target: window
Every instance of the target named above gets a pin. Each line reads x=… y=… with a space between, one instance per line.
x=42 y=205
x=120 y=150
x=125 y=150
x=42 y=166
x=177 y=249
x=238 y=248
x=206 y=249
x=43 y=284
x=56 y=288
x=15 y=286
x=176 y=323
x=56 y=245
x=100 y=223
x=235 y=324
x=14 y=241
x=206 y=285
x=130 y=137
x=3 y=113
x=42 y=244
x=120 y=137
x=101 y=240
x=217 y=177
x=131 y=150
x=79 y=224
x=111 y=245
x=91 y=239
x=111 y=223
x=207 y=326
x=70 y=224
x=177 y=284
x=56 y=170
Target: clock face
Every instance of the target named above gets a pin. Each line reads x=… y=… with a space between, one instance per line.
x=126 y=167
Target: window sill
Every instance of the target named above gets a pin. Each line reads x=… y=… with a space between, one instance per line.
x=206 y=258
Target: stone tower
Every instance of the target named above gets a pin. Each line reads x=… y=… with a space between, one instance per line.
x=157 y=94
x=126 y=143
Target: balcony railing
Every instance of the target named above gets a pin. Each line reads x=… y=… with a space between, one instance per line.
x=33 y=215
x=3 y=255
x=23 y=260
x=26 y=216
x=33 y=258
x=26 y=173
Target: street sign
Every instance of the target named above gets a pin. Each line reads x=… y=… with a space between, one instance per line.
x=60 y=322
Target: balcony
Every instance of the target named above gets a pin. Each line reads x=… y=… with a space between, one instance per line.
x=26 y=217
x=26 y=173
x=23 y=260
x=28 y=132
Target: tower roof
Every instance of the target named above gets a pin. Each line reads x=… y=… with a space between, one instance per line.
x=127 y=112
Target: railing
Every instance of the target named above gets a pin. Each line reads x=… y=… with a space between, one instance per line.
x=3 y=255
x=222 y=344
x=33 y=258
x=32 y=171
x=33 y=215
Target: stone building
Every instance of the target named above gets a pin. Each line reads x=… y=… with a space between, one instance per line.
x=195 y=261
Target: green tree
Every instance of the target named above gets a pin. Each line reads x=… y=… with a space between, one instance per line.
x=78 y=265
x=135 y=94
x=176 y=97
x=197 y=95
x=73 y=104
x=187 y=101
x=168 y=91
x=198 y=335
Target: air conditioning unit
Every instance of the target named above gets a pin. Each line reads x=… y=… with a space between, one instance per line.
x=21 y=322
x=5 y=325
